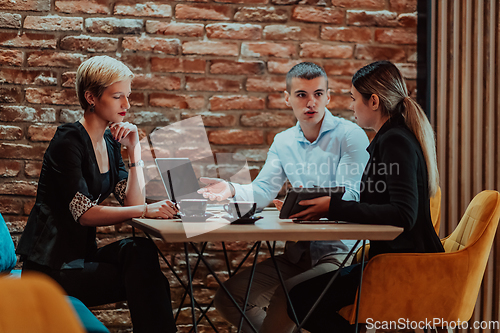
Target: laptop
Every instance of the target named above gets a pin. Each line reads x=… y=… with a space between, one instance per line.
x=179 y=179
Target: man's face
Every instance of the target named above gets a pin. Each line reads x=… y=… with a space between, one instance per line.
x=308 y=98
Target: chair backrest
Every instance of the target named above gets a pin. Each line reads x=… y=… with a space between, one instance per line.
x=7 y=252
x=35 y=304
x=435 y=204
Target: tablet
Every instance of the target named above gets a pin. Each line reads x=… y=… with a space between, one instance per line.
x=296 y=194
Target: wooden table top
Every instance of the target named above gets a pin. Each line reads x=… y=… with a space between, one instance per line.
x=269 y=228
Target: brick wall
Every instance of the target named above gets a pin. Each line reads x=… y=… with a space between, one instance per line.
x=223 y=59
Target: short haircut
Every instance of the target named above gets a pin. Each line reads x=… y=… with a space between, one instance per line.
x=304 y=70
x=98 y=73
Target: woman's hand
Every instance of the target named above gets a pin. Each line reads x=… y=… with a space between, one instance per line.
x=278 y=204
x=164 y=209
x=125 y=133
x=317 y=209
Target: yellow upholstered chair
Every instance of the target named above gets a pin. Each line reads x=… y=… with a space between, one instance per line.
x=435 y=205
x=35 y=304
x=420 y=286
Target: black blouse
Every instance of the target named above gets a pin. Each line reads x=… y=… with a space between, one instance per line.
x=70 y=184
x=394 y=191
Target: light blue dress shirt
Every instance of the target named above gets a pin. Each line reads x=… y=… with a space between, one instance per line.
x=336 y=158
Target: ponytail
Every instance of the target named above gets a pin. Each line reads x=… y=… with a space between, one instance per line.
x=417 y=122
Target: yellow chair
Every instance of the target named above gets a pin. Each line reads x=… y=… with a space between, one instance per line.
x=435 y=205
x=420 y=286
x=35 y=304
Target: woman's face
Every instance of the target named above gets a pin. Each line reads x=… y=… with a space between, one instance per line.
x=113 y=104
x=363 y=110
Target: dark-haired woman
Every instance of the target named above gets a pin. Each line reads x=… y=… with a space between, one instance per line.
x=398 y=181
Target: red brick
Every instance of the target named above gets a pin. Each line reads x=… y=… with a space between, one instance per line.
x=241 y=67
x=9 y=168
x=89 y=44
x=28 y=206
x=266 y=84
x=10 y=21
x=343 y=67
x=53 y=23
x=41 y=132
x=111 y=25
x=287 y=32
x=382 y=18
x=234 y=31
x=136 y=99
x=175 y=29
x=157 y=45
x=339 y=85
x=68 y=79
x=246 y=2
x=211 y=84
x=317 y=50
x=210 y=48
x=261 y=14
x=10 y=133
x=318 y=14
x=136 y=62
x=28 y=40
x=10 y=95
x=412 y=54
x=277 y=101
x=263 y=49
x=372 y=4
x=55 y=59
x=176 y=101
x=150 y=9
x=370 y=52
x=19 y=76
x=270 y=136
x=70 y=116
x=239 y=102
x=203 y=12
x=236 y=137
x=9 y=205
x=12 y=150
x=156 y=82
x=268 y=119
x=177 y=65
x=151 y=117
x=403 y=5
x=279 y=66
x=250 y=155
x=17 y=113
x=27 y=5
x=409 y=71
x=51 y=96
x=408 y=20
x=396 y=36
x=32 y=169
x=346 y=34
x=85 y=7
x=19 y=187
x=339 y=102
x=212 y=119
x=11 y=57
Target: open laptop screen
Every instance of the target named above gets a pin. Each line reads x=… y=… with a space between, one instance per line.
x=184 y=183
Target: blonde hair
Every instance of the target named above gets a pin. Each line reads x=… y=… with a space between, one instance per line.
x=384 y=79
x=98 y=73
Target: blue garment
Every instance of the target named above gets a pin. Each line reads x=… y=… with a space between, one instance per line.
x=336 y=158
x=7 y=252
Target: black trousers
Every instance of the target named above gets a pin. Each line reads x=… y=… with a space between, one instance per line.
x=126 y=270
x=325 y=317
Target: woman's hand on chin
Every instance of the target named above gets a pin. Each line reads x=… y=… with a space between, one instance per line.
x=125 y=133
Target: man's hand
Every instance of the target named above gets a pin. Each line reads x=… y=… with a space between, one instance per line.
x=278 y=204
x=217 y=189
x=317 y=209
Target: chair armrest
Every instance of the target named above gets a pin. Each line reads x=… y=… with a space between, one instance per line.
x=407 y=286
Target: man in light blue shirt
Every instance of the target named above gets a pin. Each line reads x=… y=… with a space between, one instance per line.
x=321 y=150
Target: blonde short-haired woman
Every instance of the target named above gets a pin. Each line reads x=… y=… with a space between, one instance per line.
x=81 y=167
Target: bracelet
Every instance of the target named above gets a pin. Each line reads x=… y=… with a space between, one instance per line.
x=145 y=210
x=139 y=163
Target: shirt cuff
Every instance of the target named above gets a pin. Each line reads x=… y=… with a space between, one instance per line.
x=80 y=204
x=119 y=191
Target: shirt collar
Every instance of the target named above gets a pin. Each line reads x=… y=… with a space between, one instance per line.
x=329 y=123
